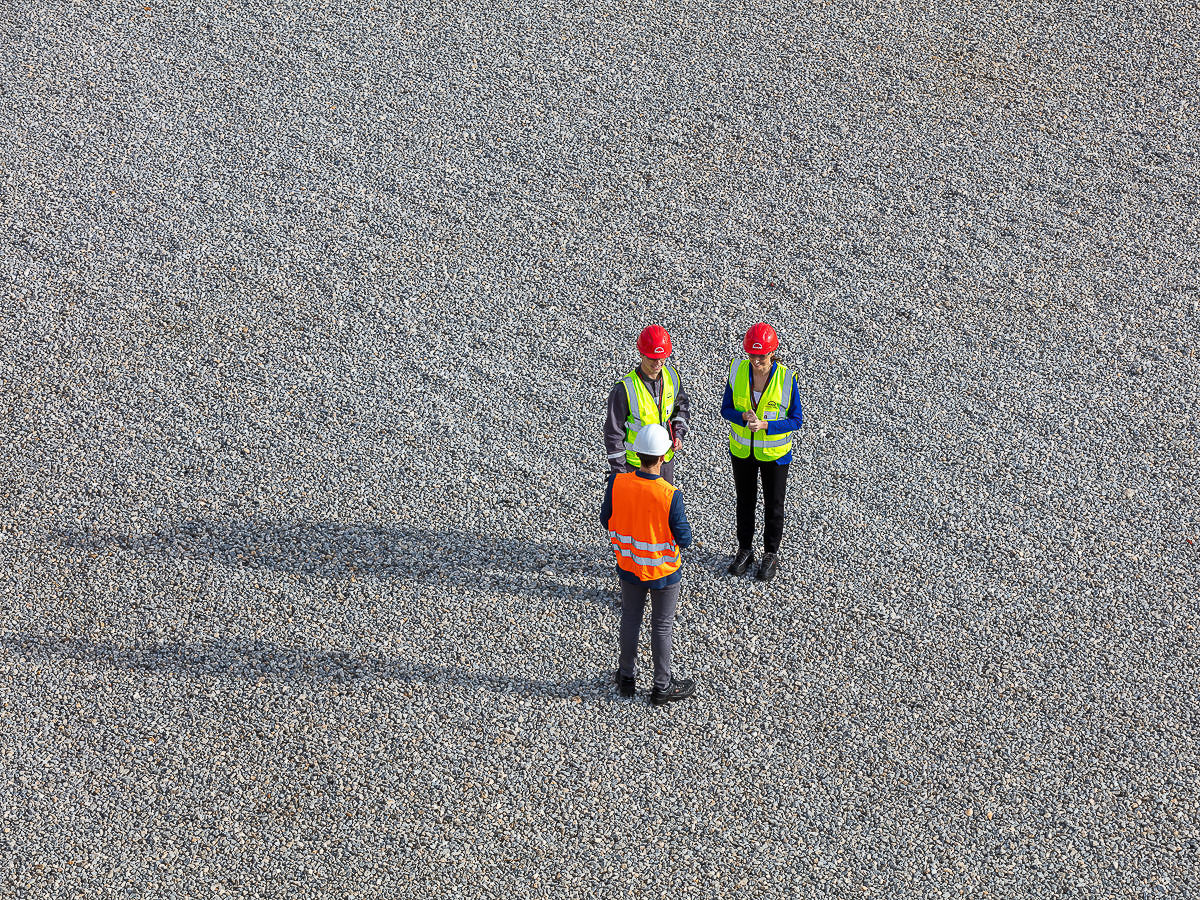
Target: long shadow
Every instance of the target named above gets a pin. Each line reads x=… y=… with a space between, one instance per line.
x=296 y=665
x=333 y=550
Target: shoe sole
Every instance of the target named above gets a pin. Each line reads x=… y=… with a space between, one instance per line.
x=663 y=701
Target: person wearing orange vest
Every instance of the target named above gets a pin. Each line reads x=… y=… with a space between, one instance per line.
x=648 y=527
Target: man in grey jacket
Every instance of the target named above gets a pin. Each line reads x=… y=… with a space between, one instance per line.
x=651 y=394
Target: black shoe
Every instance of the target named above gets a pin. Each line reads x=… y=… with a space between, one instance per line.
x=626 y=685
x=741 y=562
x=678 y=689
x=768 y=567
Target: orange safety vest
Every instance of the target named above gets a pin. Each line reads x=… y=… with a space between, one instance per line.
x=640 y=528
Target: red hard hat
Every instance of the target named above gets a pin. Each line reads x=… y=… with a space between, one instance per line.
x=654 y=342
x=761 y=338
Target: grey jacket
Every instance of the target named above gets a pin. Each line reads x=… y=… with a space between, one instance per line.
x=618 y=412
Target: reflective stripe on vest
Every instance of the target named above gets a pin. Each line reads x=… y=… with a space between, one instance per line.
x=646 y=561
x=643 y=411
x=640 y=528
x=775 y=403
x=617 y=537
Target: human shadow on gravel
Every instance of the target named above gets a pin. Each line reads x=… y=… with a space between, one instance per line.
x=336 y=551
x=332 y=550
x=293 y=665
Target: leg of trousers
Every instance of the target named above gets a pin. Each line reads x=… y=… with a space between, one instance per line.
x=662 y=626
x=745 y=485
x=774 y=480
x=668 y=471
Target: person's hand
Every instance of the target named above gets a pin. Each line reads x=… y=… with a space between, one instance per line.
x=748 y=416
x=676 y=444
x=759 y=425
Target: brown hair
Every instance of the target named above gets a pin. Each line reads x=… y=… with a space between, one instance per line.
x=774 y=354
x=648 y=461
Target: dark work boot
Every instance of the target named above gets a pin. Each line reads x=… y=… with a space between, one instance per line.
x=768 y=567
x=741 y=562
x=678 y=689
x=626 y=685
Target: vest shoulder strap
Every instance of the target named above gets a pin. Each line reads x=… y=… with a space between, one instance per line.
x=665 y=490
x=631 y=395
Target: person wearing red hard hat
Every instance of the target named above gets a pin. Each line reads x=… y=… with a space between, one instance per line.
x=650 y=394
x=762 y=404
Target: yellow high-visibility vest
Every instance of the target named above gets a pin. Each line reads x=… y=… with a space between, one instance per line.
x=643 y=411
x=775 y=403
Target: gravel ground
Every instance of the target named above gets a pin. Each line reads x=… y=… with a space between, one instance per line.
x=309 y=316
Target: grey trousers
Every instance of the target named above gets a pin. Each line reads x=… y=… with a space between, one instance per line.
x=662 y=628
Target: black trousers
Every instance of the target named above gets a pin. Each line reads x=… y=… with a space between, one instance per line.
x=746 y=473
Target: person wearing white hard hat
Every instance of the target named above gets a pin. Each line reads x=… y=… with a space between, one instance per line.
x=649 y=394
x=648 y=527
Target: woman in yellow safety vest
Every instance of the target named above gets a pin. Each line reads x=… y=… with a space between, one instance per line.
x=762 y=404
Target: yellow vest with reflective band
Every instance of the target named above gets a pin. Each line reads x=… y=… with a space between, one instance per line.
x=774 y=403
x=643 y=411
x=640 y=526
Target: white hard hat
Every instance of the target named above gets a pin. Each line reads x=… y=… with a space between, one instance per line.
x=652 y=440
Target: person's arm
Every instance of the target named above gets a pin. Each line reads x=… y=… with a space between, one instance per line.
x=681 y=417
x=795 y=416
x=677 y=519
x=614 y=429
x=606 y=505
x=728 y=410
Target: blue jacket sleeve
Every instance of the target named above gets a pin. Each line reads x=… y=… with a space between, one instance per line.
x=677 y=519
x=606 y=506
x=795 y=416
x=728 y=410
